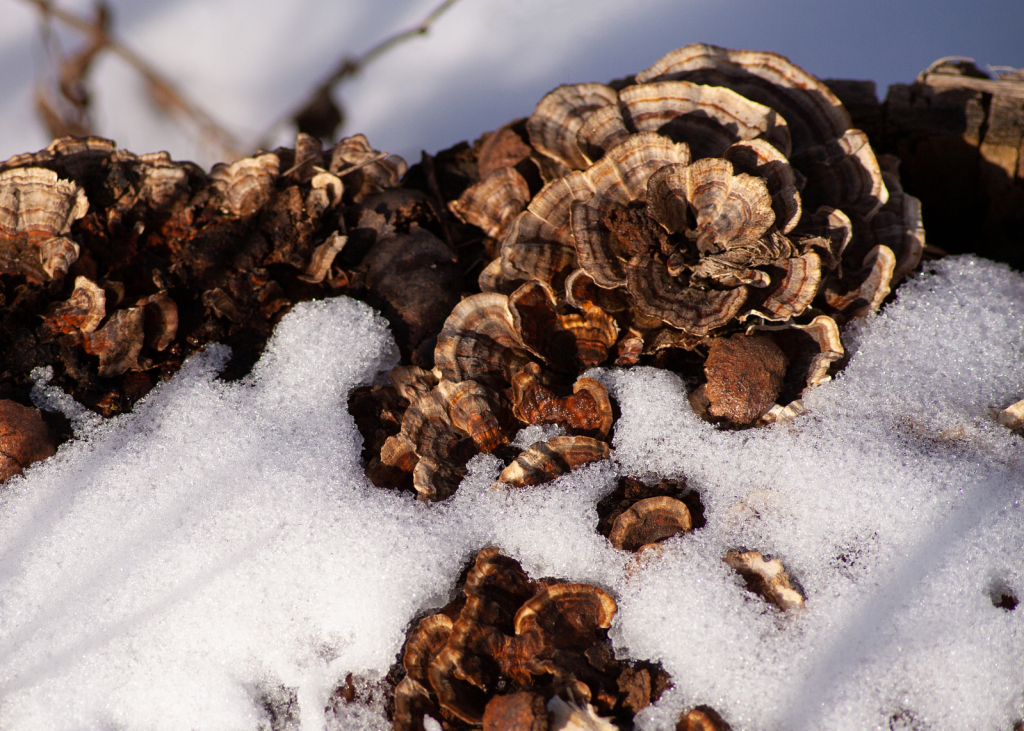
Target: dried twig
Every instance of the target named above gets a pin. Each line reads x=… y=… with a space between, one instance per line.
x=319 y=115
x=164 y=92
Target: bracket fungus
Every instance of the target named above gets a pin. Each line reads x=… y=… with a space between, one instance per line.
x=513 y=650
x=36 y=212
x=648 y=521
x=637 y=516
x=766 y=578
x=715 y=191
x=544 y=461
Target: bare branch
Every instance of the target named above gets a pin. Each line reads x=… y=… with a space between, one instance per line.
x=164 y=92
x=319 y=105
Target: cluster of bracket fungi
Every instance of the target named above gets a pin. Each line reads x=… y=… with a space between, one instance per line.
x=716 y=213
x=717 y=206
x=511 y=652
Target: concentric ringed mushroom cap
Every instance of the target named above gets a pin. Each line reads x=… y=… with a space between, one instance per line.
x=648 y=521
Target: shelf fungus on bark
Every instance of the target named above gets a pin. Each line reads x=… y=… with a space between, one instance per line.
x=37 y=209
x=512 y=650
x=444 y=425
x=766 y=578
x=648 y=521
x=83 y=311
x=247 y=185
x=715 y=188
x=365 y=171
x=546 y=460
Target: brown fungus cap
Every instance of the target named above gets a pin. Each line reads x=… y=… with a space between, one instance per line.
x=568 y=341
x=514 y=653
x=766 y=578
x=424 y=643
x=492 y=203
x=478 y=342
x=36 y=212
x=648 y=521
x=702 y=718
x=246 y=186
x=83 y=311
x=587 y=411
x=544 y=461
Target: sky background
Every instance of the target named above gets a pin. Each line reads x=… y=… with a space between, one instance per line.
x=484 y=62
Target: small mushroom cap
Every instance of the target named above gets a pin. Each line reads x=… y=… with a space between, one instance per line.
x=649 y=521
x=425 y=641
x=161 y=180
x=478 y=342
x=245 y=186
x=691 y=309
x=36 y=211
x=473 y=411
x=365 y=171
x=572 y=613
x=745 y=375
x=1012 y=417
x=323 y=258
x=588 y=410
x=544 y=461
x=708 y=118
x=83 y=311
x=828 y=230
x=119 y=342
x=825 y=332
x=760 y=159
x=412 y=382
x=412 y=702
x=503 y=148
x=767 y=578
x=559 y=126
x=859 y=293
x=731 y=210
x=701 y=718
x=492 y=203
x=160 y=320
x=569 y=342
x=794 y=291
x=813 y=113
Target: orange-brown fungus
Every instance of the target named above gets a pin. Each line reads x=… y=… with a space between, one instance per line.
x=511 y=652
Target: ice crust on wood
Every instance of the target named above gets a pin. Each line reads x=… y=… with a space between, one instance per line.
x=220 y=549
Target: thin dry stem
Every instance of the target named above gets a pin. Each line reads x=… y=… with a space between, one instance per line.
x=349 y=67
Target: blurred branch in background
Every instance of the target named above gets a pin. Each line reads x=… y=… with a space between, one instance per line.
x=70 y=114
x=63 y=103
x=319 y=115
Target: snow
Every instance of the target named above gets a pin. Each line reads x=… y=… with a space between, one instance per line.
x=218 y=551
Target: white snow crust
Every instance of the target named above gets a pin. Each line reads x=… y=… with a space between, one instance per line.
x=219 y=549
